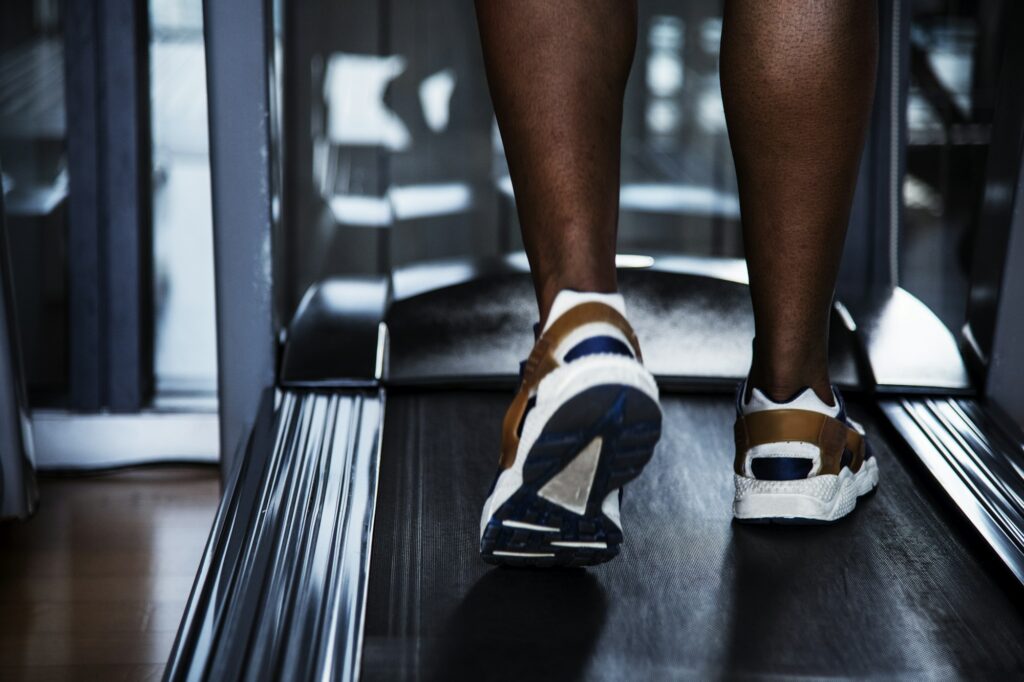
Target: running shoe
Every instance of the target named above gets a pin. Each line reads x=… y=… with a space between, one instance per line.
x=584 y=422
x=799 y=460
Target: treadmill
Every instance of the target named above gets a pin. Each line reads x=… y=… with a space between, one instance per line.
x=359 y=438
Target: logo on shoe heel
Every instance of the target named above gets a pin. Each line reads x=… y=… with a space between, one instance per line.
x=570 y=488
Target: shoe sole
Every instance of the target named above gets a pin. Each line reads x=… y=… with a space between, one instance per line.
x=592 y=445
x=816 y=500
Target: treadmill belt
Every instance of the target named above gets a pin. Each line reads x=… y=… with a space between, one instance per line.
x=898 y=589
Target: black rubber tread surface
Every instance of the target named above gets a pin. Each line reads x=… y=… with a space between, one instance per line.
x=899 y=589
x=689 y=326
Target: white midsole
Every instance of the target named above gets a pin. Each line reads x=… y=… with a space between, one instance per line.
x=554 y=390
x=825 y=497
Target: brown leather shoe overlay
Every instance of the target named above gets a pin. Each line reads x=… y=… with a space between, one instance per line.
x=831 y=436
x=542 y=361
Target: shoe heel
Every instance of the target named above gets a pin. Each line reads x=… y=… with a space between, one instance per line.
x=595 y=443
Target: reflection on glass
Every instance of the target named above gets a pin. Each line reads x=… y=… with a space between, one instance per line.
x=395 y=132
x=354 y=102
x=186 y=360
x=678 y=183
x=665 y=76
x=436 y=97
x=953 y=71
x=33 y=152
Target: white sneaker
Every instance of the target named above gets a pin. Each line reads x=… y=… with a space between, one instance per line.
x=798 y=461
x=585 y=421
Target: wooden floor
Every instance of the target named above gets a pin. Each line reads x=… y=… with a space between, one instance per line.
x=93 y=586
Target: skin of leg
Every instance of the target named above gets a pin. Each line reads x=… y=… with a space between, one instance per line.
x=557 y=73
x=798 y=80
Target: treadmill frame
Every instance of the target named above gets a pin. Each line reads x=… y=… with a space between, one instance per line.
x=224 y=630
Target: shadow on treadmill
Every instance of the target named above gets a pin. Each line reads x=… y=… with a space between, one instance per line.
x=485 y=639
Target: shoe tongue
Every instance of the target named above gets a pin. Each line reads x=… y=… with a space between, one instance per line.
x=568 y=299
x=806 y=399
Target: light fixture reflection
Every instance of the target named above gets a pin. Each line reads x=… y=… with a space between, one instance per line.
x=435 y=99
x=410 y=202
x=354 y=88
x=422 y=201
x=633 y=261
x=665 y=76
x=679 y=198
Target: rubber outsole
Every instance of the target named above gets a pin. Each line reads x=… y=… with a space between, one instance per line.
x=802 y=520
x=522 y=531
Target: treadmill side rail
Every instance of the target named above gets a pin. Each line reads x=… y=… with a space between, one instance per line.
x=976 y=457
x=281 y=588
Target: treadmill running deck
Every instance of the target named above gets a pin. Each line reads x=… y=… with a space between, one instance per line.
x=899 y=589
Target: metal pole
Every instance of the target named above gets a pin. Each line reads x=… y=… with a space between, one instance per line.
x=1006 y=366
x=109 y=216
x=237 y=53
x=994 y=288
x=87 y=381
x=1004 y=217
x=870 y=259
x=125 y=177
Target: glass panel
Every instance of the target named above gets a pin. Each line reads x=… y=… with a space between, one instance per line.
x=33 y=154
x=393 y=155
x=678 y=181
x=955 y=52
x=186 y=357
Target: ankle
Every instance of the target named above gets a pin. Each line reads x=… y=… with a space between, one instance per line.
x=781 y=383
x=782 y=367
x=549 y=290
